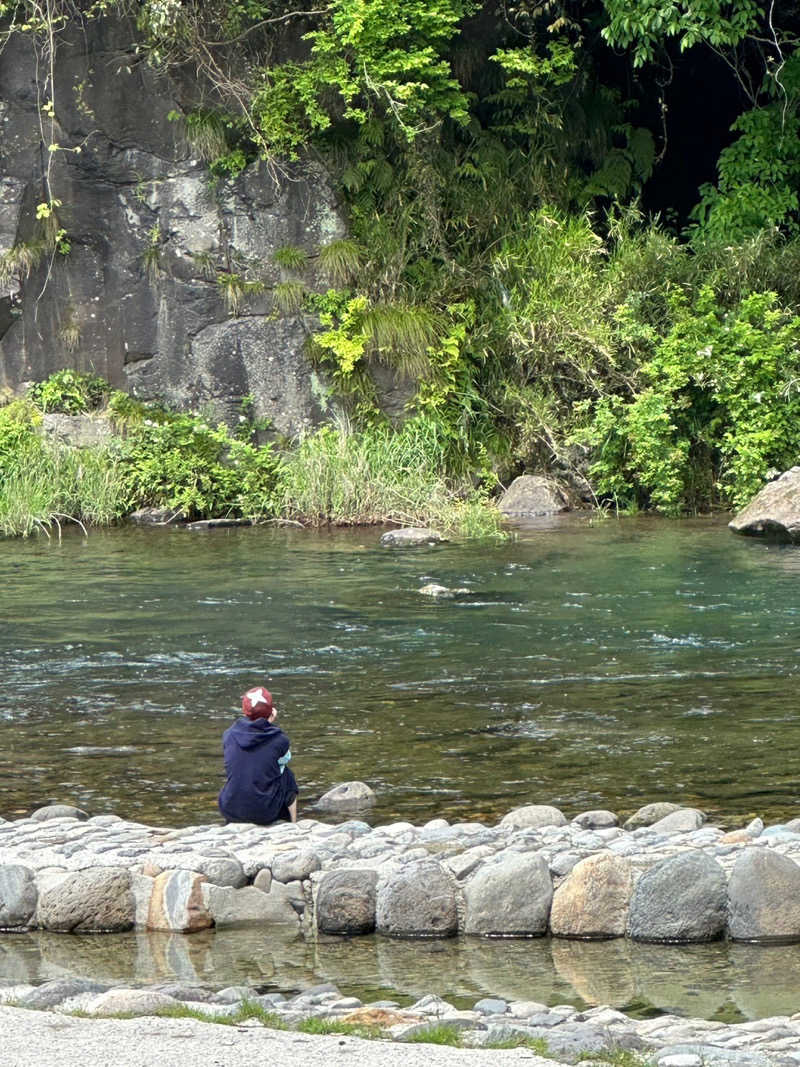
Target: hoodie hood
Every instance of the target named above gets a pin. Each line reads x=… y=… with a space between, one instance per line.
x=252 y=733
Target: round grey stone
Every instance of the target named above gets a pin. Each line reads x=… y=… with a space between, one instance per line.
x=417 y=901
x=18 y=896
x=346 y=902
x=347 y=796
x=596 y=820
x=682 y=821
x=683 y=898
x=764 y=897
x=294 y=866
x=57 y=811
x=533 y=817
x=221 y=871
x=649 y=814
x=511 y=895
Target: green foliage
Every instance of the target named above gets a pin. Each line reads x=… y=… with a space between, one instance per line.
x=437 y=1034
x=70 y=392
x=718 y=409
x=759 y=173
x=642 y=26
x=246 y=1011
x=338 y=1026
x=182 y=462
x=376 y=475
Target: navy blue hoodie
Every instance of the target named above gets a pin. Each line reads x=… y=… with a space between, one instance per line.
x=255 y=790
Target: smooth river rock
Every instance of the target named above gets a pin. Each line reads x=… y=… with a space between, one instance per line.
x=649 y=814
x=411 y=535
x=596 y=820
x=97 y=900
x=510 y=894
x=18 y=896
x=764 y=897
x=417 y=900
x=683 y=820
x=346 y=902
x=593 y=900
x=347 y=796
x=57 y=811
x=534 y=817
x=294 y=866
x=243 y=907
x=680 y=899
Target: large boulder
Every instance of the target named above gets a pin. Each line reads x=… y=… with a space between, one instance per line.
x=532 y=494
x=681 y=899
x=681 y=821
x=97 y=900
x=18 y=896
x=346 y=902
x=764 y=897
x=774 y=511
x=593 y=900
x=417 y=900
x=509 y=895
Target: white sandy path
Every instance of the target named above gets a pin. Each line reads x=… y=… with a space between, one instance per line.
x=46 y=1039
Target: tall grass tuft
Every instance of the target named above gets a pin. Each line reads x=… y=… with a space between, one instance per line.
x=48 y=485
x=381 y=475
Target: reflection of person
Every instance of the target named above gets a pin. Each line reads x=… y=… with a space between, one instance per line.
x=259 y=788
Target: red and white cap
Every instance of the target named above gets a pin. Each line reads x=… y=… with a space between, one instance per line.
x=257 y=703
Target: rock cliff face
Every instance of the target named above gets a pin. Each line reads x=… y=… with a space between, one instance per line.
x=137 y=297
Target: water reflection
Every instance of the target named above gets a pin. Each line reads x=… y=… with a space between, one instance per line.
x=725 y=981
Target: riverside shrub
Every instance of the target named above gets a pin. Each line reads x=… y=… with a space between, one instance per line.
x=717 y=411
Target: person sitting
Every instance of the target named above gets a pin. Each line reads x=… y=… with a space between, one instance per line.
x=259 y=787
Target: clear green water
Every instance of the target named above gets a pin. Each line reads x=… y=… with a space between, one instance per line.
x=591 y=665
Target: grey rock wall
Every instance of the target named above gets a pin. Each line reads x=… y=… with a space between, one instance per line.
x=155 y=323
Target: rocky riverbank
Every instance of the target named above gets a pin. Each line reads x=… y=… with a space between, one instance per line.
x=665 y=875
x=558 y=1033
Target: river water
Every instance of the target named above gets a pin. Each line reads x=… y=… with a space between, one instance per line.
x=591 y=664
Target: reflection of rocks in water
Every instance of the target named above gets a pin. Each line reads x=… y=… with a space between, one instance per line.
x=106 y=958
x=519 y=969
x=19 y=959
x=419 y=967
x=765 y=979
x=599 y=972
x=689 y=980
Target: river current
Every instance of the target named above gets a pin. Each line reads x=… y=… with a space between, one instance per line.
x=592 y=663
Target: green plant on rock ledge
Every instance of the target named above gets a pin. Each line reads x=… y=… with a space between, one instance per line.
x=70 y=392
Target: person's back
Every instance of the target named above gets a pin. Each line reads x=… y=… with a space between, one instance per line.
x=259 y=787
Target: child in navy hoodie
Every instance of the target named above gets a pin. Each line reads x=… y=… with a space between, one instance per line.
x=259 y=788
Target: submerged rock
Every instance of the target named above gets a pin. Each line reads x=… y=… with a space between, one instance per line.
x=774 y=511
x=411 y=535
x=441 y=591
